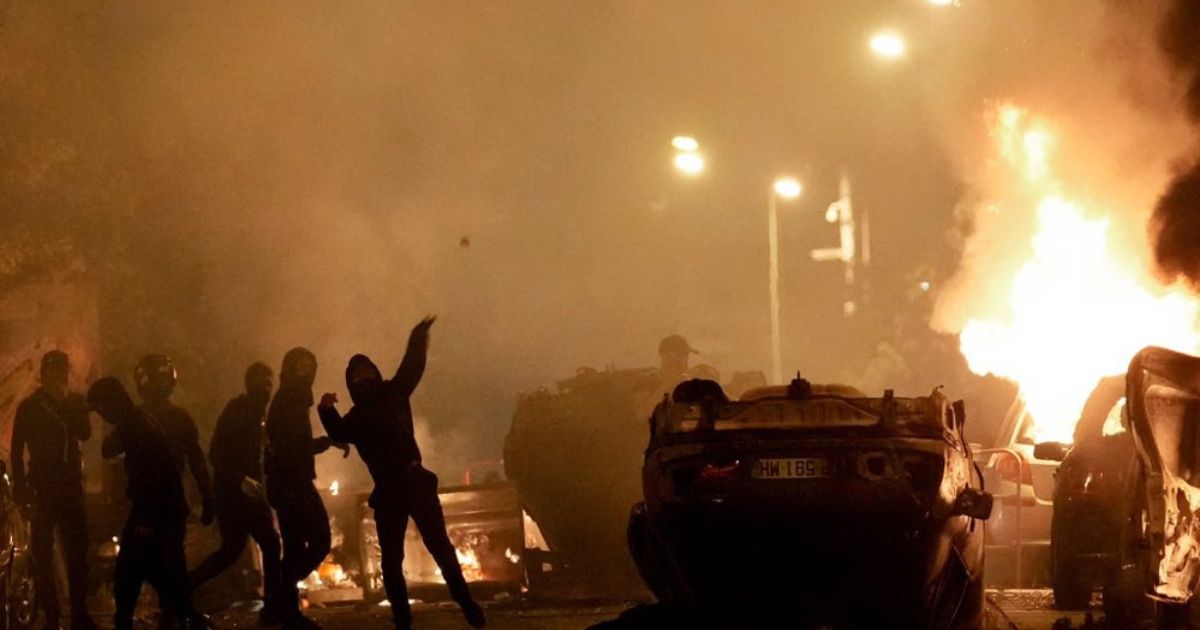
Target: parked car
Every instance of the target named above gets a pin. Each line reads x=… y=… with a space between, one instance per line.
x=1089 y=493
x=810 y=505
x=1018 y=534
x=18 y=597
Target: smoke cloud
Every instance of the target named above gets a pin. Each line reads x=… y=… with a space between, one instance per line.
x=1175 y=226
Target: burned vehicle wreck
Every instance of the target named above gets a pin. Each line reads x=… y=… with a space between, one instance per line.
x=1161 y=541
x=814 y=506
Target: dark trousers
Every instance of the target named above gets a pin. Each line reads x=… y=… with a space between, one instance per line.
x=416 y=498
x=60 y=510
x=240 y=518
x=304 y=529
x=152 y=551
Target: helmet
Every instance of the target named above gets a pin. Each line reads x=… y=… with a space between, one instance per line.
x=675 y=344
x=55 y=362
x=155 y=376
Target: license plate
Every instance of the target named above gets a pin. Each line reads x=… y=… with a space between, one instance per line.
x=792 y=468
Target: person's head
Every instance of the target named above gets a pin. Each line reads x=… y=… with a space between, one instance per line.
x=155 y=377
x=55 y=370
x=674 y=352
x=362 y=377
x=259 y=381
x=299 y=368
x=109 y=398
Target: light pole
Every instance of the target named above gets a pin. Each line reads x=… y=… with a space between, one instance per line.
x=688 y=159
x=785 y=188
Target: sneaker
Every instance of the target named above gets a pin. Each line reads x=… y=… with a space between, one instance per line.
x=473 y=614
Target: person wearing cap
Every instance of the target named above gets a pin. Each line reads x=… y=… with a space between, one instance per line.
x=290 y=470
x=51 y=423
x=241 y=501
x=674 y=353
x=380 y=426
x=152 y=541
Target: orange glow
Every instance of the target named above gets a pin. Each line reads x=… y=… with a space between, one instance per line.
x=1077 y=310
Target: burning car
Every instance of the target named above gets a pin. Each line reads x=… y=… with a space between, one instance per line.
x=1160 y=544
x=814 y=505
x=1089 y=496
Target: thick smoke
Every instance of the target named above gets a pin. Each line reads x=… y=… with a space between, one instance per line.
x=1175 y=226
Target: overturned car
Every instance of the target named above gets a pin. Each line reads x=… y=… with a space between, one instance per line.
x=813 y=506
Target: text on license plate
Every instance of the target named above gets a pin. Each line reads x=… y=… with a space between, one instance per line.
x=792 y=468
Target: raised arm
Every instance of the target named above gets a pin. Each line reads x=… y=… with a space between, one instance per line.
x=413 y=366
x=331 y=420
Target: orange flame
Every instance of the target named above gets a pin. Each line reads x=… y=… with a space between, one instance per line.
x=1077 y=310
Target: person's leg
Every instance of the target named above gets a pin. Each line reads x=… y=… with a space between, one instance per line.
x=431 y=522
x=390 y=526
x=317 y=534
x=293 y=529
x=261 y=526
x=45 y=521
x=232 y=522
x=128 y=575
x=74 y=536
x=174 y=590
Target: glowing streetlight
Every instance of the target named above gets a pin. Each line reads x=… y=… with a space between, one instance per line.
x=888 y=44
x=690 y=164
x=785 y=188
x=685 y=143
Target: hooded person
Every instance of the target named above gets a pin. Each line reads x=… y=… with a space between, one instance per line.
x=51 y=423
x=290 y=469
x=380 y=426
x=236 y=452
x=152 y=542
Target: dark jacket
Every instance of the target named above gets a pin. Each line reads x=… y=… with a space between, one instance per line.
x=290 y=444
x=183 y=438
x=236 y=450
x=52 y=430
x=380 y=424
x=155 y=485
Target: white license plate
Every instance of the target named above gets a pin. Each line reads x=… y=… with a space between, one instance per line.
x=792 y=468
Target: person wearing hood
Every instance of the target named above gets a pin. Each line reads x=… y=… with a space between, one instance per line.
x=51 y=423
x=152 y=543
x=236 y=452
x=290 y=468
x=380 y=426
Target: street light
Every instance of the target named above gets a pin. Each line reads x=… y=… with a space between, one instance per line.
x=785 y=188
x=888 y=44
x=690 y=164
x=685 y=143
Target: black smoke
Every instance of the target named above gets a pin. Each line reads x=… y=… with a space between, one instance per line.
x=1175 y=225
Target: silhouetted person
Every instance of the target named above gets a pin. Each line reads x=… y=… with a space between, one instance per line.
x=674 y=352
x=290 y=470
x=380 y=426
x=152 y=541
x=236 y=453
x=52 y=422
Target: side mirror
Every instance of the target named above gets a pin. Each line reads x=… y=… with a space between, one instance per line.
x=973 y=503
x=1053 y=451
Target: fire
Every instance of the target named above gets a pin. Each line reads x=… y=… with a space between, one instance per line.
x=469 y=561
x=1076 y=310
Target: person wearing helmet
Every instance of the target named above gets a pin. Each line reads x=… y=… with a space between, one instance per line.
x=380 y=426
x=152 y=541
x=674 y=353
x=241 y=500
x=290 y=469
x=155 y=377
x=51 y=423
